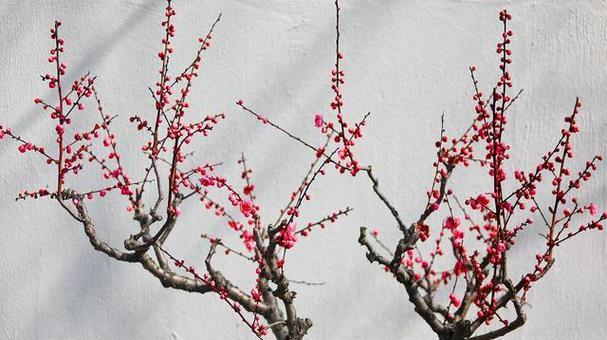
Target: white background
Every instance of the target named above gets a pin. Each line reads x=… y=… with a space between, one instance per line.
x=406 y=61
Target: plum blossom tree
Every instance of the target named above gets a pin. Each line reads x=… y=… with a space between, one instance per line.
x=474 y=285
x=484 y=231
x=455 y=271
x=167 y=178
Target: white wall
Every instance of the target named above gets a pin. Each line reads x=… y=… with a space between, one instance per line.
x=406 y=62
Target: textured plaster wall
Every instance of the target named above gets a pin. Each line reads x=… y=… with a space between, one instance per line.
x=406 y=61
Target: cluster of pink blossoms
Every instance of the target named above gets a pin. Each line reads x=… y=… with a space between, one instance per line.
x=286 y=236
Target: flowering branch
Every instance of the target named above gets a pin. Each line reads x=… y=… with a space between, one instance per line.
x=270 y=305
x=488 y=288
